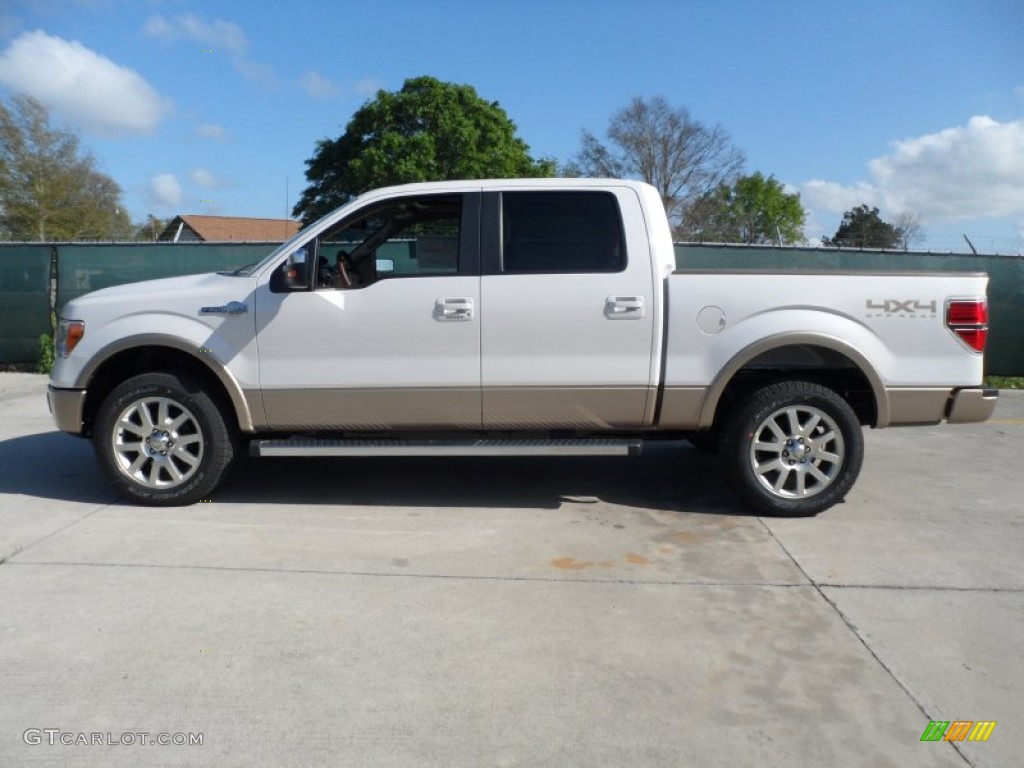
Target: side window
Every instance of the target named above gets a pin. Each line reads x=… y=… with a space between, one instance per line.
x=562 y=232
x=414 y=236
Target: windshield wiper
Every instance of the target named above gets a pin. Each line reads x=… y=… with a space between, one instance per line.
x=240 y=272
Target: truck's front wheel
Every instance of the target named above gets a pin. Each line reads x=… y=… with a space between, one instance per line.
x=162 y=440
x=793 y=449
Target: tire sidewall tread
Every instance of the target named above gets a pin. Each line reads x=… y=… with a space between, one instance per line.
x=218 y=447
x=738 y=431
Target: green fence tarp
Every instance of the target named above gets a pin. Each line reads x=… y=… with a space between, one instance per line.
x=25 y=272
x=84 y=268
x=24 y=301
x=1004 y=355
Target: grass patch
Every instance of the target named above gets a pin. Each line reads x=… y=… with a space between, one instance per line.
x=1005 y=382
x=45 y=362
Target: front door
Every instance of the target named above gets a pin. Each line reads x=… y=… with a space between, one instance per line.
x=382 y=328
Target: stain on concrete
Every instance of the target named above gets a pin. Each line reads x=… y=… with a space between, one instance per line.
x=571 y=564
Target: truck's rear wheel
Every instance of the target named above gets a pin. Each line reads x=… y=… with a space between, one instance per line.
x=162 y=440
x=792 y=449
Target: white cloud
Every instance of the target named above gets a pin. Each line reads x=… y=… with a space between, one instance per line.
x=253 y=71
x=958 y=173
x=165 y=192
x=831 y=196
x=318 y=86
x=212 y=131
x=203 y=178
x=84 y=86
x=217 y=36
x=966 y=172
x=368 y=86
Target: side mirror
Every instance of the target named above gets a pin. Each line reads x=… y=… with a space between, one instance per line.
x=385 y=265
x=293 y=275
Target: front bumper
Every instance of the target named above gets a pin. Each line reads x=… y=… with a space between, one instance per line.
x=67 y=406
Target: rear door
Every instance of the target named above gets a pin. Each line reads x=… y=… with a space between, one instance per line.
x=567 y=293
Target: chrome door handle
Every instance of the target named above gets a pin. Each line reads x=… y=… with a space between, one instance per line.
x=624 y=307
x=231 y=308
x=453 y=309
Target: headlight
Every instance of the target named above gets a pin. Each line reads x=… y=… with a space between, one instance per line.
x=69 y=333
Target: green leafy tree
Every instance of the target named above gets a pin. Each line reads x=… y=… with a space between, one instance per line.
x=428 y=131
x=863 y=227
x=663 y=145
x=752 y=210
x=49 y=186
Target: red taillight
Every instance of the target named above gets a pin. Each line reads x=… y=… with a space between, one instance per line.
x=968 y=319
x=967 y=313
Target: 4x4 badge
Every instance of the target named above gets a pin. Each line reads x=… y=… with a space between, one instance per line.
x=904 y=308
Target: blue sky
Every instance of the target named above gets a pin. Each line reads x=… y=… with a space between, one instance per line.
x=213 y=107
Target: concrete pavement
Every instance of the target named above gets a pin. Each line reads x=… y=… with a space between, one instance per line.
x=469 y=612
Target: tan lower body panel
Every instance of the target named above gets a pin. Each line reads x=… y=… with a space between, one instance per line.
x=972 y=405
x=502 y=408
x=580 y=408
x=372 y=410
x=917 y=405
x=933 y=404
x=66 y=405
x=681 y=407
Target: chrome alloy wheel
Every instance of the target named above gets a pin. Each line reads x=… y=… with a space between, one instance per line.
x=797 y=452
x=157 y=442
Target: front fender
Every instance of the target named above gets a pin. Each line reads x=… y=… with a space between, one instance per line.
x=207 y=346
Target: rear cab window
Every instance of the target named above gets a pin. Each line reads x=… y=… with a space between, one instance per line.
x=562 y=232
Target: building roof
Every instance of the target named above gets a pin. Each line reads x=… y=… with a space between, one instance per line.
x=233 y=228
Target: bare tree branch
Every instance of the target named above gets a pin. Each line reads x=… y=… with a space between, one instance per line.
x=909 y=229
x=666 y=147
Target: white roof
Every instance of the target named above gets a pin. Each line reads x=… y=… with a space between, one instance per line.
x=485 y=185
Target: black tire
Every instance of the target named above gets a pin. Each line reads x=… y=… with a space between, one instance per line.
x=162 y=440
x=792 y=449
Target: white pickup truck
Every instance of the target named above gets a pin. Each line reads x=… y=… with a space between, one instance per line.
x=513 y=317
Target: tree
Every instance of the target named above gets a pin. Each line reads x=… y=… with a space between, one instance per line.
x=150 y=229
x=752 y=210
x=49 y=186
x=909 y=227
x=664 y=146
x=862 y=227
x=428 y=131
